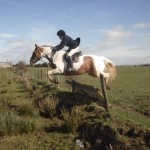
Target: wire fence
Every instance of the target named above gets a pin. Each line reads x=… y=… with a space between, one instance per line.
x=37 y=73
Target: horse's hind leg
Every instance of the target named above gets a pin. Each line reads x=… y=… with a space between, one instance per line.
x=106 y=77
x=107 y=86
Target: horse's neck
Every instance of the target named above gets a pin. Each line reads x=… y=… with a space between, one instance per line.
x=47 y=51
x=58 y=55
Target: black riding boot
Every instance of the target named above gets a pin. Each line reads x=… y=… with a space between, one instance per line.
x=70 y=63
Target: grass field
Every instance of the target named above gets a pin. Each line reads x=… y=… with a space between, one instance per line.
x=33 y=115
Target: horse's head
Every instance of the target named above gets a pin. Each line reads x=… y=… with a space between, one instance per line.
x=39 y=52
x=36 y=55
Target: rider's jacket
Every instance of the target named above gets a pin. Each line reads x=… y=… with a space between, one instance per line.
x=66 y=41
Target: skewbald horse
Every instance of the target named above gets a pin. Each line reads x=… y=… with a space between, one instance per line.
x=91 y=64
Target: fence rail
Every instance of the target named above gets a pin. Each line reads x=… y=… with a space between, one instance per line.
x=38 y=73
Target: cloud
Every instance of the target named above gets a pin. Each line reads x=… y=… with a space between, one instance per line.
x=20 y=47
x=141 y=25
x=6 y=35
x=130 y=60
x=124 y=46
x=115 y=36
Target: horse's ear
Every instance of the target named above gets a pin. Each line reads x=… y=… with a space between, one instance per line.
x=36 y=45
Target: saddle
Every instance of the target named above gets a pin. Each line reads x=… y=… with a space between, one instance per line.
x=75 y=56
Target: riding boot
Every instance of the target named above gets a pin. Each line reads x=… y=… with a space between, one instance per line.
x=70 y=63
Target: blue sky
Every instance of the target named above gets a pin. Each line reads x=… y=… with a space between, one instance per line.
x=117 y=29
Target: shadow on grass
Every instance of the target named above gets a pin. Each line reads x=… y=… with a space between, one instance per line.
x=99 y=136
x=68 y=100
x=57 y=129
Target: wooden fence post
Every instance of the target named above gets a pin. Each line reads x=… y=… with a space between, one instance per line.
x=103 y=86
x=41 y=75
x=46 y=76
x=34 y=75
x=47 y=69
x=38 y=75
x=58 y=81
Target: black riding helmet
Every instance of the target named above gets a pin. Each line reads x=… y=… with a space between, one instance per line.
x=61 y=33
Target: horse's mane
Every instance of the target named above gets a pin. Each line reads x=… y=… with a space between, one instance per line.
x=46 y=45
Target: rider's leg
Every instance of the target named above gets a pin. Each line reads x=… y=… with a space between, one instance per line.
x=70 y=58
x=73 y=51
x=70 y=63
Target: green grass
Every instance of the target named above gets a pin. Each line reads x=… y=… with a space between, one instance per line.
x=131 y=89
x=58 y=121
x=39 y=141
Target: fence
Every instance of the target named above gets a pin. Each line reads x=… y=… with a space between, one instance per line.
x=38 y=73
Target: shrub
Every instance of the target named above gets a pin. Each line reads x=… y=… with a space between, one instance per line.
x=4 y=101
x=10 y=123
x=48 y=106
x=3 y=91
x=26 y=84
x=21 y=67
x=72 y=119
x=26 y=108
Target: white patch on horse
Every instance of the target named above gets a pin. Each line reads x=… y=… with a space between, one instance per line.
x=78 y=64
x=59 y=61
x=46 y=52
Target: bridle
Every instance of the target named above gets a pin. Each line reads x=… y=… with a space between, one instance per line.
x=50 y=59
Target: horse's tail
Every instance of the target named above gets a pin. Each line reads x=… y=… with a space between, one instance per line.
x=110 y=68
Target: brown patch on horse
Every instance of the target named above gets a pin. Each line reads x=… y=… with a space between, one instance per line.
x=40 y=49
x=92 y=71
x=76 y=59
x=87 y=67
x=38 y=52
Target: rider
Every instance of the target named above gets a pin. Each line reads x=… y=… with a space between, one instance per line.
x=70 y=43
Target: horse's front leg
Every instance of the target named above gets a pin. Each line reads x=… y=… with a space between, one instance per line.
x=53 y=72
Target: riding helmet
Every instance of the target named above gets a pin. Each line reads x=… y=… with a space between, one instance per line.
x=61 y=33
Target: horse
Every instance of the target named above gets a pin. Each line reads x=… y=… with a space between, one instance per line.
x=91 y=64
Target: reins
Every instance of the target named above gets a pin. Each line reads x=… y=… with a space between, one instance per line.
x=47 y=57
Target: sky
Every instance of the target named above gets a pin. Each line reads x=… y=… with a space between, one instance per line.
x=116 y=29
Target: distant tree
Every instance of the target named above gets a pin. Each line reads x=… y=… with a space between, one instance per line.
x=41 y=65
x=37 y=65
x=21 y=67
x=44 y=64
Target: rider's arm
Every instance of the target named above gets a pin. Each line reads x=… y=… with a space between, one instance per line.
x=61 y=45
